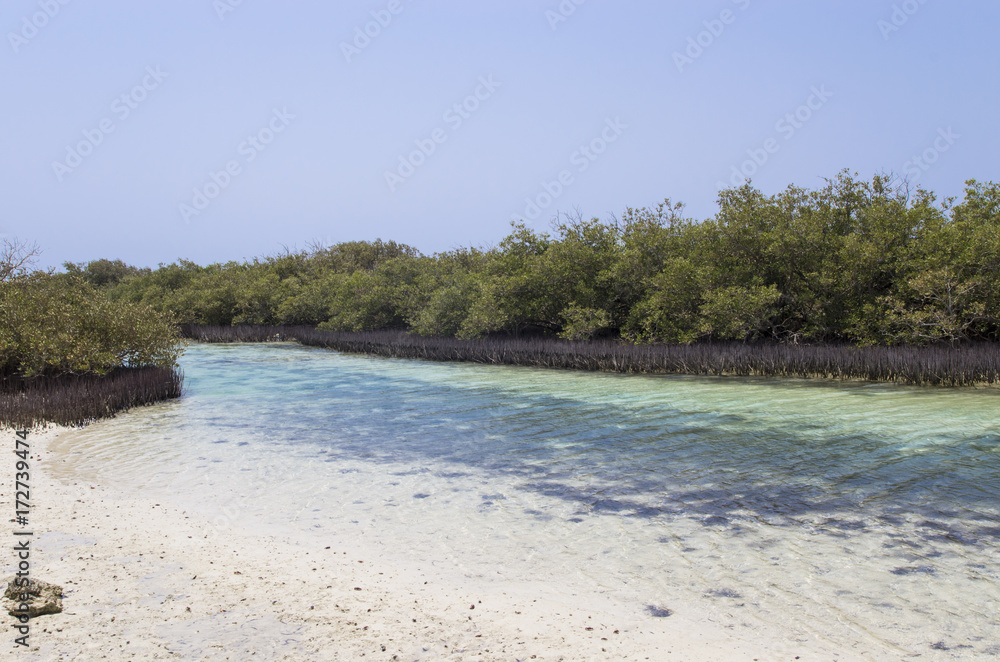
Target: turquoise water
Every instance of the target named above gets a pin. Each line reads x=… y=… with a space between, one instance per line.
x=842 y=513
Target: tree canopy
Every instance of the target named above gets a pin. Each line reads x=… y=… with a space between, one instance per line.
x=853 y=261
x=55 y=324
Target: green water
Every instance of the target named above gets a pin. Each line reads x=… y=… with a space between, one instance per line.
x=841 y=513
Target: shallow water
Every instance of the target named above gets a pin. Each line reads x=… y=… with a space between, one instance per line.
x=845 y=513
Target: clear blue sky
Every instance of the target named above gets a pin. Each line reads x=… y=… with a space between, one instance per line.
x=115 y=112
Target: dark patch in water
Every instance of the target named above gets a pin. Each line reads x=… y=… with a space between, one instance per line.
x=715 y=520
x=658 y=612
x=930 y=524
x=933 y=554
x=600 y=504
x=891 y=520
x=420 y=495
x=610 y=505
x=575 y=519
x=941 y=646
x=242 y=443
x=981 y=517
x=926 y=569
x=954 y=536
x=412 y=472
x=453 y=474
x=648 y=512
x=723 y=593
x=988 y=532
x=846 y=525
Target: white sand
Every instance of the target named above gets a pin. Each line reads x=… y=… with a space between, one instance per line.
x=145 y=580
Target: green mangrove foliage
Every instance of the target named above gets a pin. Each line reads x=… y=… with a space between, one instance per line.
x=57 y=324
x=854 y=261
x=70 y=354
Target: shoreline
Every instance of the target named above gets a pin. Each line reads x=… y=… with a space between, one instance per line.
x=145 y=580
x=967 y=366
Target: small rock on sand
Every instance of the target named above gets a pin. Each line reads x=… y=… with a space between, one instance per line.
x=43 y=598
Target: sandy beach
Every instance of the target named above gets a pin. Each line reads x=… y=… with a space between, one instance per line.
x=145 y=580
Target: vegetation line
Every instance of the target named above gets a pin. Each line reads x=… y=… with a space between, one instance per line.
x=75 y=400
x=854 y=280
x=965 y=365
x=69 y=354
x=865 y=263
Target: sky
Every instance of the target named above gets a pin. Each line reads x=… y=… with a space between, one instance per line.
x=217 y=130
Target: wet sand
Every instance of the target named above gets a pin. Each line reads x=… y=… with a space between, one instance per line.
x=146 y=580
